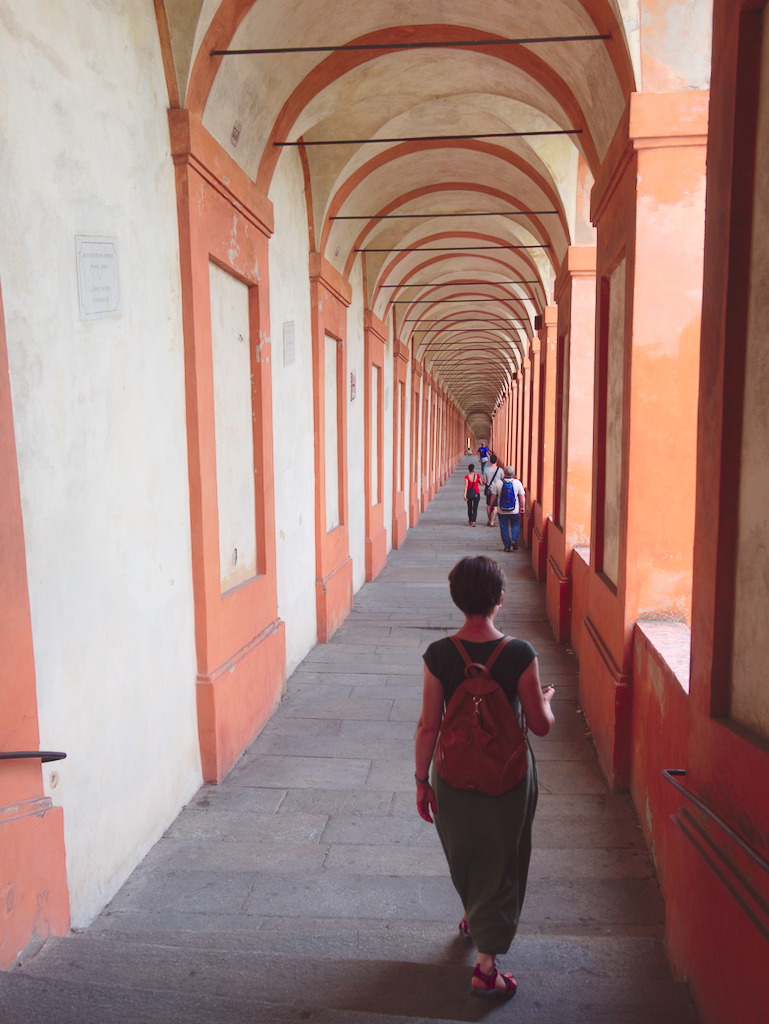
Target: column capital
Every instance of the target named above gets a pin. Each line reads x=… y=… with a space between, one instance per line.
x=661 y=121
x=550 y=317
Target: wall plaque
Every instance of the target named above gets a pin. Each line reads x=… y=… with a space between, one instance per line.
x=289 y=343
x=98 y=277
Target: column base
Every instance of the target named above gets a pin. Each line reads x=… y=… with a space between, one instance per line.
x=334 y=600
x=33 y=869
x=539 y=546
x=400 y=529
x=558 y=600
x=235 y=701
x=376 y=554
x=414 y=512
x=605 y=695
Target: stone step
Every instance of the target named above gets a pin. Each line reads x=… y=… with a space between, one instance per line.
x=171 y=977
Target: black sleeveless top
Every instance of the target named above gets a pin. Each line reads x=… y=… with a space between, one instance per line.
x=445 y=662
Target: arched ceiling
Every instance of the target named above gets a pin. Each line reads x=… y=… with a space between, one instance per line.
x=466 y=160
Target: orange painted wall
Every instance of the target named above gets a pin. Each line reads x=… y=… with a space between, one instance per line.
x=548 y=341
x=416 y=430
x=575 y=294
x=375 y=339
x=401 y=360
x=34 y=899
x=239 y=637
x=656 y=226
x=709 y=877
x=330 y=296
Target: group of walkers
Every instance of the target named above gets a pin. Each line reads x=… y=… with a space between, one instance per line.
x=505 y=496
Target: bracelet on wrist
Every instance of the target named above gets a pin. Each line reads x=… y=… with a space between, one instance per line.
x=422 y=782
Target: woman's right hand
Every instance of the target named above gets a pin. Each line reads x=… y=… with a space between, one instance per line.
x=426 y=801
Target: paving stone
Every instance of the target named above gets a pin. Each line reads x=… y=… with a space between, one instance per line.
x=236 y=855
x=387 y=829
x=337 y=801
x=406 y=861
x=304 y=772
x=228 y=826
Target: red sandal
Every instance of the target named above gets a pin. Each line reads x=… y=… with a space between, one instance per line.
x=486 y=984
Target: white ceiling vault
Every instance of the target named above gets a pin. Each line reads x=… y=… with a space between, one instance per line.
x=467 y=159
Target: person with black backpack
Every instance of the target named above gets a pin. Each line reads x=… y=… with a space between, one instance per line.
x=510 y=499
x=482 y=790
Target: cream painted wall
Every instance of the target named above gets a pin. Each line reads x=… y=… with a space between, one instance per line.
x=234 y=427
x=292 y=403
x=356 y=513
x=100 y=426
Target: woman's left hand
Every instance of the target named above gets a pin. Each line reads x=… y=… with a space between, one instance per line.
x=425 y=801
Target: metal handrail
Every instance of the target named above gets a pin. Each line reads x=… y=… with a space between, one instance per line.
x=44 y=755
x=669 y=774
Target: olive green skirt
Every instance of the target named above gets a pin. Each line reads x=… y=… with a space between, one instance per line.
x=487 y=842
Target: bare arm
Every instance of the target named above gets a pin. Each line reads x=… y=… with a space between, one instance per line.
x=535 y=703
x=427 y=736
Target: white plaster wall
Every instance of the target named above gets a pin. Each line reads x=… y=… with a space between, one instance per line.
x=100 y=427
x=331 y=431
x=293 y=427
x=356 y=512
x=234 y=427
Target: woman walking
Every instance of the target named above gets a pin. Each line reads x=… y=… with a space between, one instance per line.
x=486 y=839
x=472 y=493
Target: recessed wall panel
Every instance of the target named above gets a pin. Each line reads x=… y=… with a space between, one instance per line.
x=233 y=406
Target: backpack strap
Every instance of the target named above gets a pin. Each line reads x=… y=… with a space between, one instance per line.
x=505 y=640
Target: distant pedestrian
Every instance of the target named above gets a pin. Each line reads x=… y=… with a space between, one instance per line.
x=493 y=473
x=510 y=501
x=472 y=493
x=483 y=456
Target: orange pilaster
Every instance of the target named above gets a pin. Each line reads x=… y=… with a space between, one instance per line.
x=648 y=206
x=569 y=523
x=545 y=452
x=330 y=295
x=375 y=339
x=34 y=899
x=414 y=475
x=400 y=373
x=239 y=637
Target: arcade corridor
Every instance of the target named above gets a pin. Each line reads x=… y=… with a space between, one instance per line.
x=306 y=887
x=269 y=271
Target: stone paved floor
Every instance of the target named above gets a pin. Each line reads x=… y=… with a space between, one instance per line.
x=306 y=887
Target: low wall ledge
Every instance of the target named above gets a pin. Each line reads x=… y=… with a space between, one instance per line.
x=672 y=641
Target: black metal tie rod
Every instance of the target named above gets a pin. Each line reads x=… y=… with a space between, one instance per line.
x=429 y=138
x=427 y=45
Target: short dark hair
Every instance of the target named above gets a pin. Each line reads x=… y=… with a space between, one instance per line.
x=471 y=467
x=476 y=584
x=493 y=458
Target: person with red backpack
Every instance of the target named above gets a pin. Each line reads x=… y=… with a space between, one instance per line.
x=482 y=789
x=472 y=493
x=510 y=500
